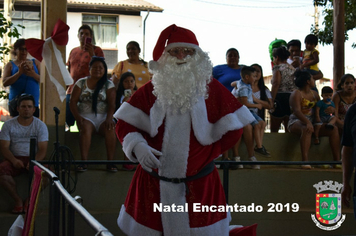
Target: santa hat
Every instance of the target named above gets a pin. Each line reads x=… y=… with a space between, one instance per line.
x=174 y=36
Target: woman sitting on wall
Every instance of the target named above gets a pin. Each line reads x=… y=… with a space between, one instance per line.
x=302 y=102
x=92 y=104
x=344 y=98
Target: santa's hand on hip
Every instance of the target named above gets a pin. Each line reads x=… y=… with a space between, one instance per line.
x=146 y=156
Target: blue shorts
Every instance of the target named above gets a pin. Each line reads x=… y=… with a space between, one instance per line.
x=257 y=118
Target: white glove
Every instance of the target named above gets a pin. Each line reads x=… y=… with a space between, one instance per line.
x=147 y=156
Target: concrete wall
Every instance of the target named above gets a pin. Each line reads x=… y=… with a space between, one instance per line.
x=130 y=29
x=103 y=193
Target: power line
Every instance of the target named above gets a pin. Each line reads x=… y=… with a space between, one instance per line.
x=255 y=6
x=232 y=24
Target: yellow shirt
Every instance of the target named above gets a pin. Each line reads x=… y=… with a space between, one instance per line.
x=140 y=71
x=308 y=56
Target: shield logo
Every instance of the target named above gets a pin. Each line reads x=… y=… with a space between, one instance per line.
x=328 y=208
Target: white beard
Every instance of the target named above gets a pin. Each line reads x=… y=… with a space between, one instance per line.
x=178 y=87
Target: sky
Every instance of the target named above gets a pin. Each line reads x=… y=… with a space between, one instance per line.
x=248 y=26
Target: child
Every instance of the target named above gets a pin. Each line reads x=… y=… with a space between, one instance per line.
x=244 y=95
x=310 y=55
x=320 y=115
x=127 y=82
x=126 y=88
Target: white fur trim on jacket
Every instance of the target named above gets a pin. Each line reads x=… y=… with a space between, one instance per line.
x=174 y=162
x=130 y=141
x=205 y=132
x=149 y=124
x=130 y=227
x=208 y=133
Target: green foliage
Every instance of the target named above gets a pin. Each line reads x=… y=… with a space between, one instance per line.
x=7 y=28
x=4 y=95
x=325 y=34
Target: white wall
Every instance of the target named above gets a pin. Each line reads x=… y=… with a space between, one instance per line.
x=130 y=29
x=74 y=20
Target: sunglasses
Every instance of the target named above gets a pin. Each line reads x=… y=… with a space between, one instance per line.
x=184 y=51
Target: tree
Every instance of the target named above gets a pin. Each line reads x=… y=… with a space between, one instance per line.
x=325 y=35
x=7 y=28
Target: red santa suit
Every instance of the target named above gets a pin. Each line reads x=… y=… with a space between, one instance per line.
x=188 y=143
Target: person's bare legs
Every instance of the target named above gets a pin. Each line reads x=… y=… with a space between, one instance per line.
x=85 y=134
x=263 y=127
x=316 y=133
x=285 y=123
x=225 y=155
x=110 y=141
x=9 y=184
x=248 y=139
x=235 y=148
x=332 y=121
x=275 y=124
x=334 y=141
x=305 y=138
x=257 y=133
x=235 y=151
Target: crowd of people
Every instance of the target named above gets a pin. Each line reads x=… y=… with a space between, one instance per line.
x=93 y=99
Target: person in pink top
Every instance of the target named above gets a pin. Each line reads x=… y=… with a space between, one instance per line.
x=78 y=62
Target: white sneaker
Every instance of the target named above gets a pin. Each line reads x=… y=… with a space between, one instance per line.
x=256 y=167
x=237 y=159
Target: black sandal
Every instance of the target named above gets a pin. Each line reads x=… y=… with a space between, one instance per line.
x=81 y=168
x=111 y=168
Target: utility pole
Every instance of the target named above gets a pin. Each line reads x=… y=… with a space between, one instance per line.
x=316 y=18
x=338 y=40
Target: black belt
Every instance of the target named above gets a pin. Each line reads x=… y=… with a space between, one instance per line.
x=204 y=172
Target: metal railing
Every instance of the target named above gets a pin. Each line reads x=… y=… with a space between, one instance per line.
x=224 y=165
x=57 y=191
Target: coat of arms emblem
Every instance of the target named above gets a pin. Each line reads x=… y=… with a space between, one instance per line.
x=328 y=206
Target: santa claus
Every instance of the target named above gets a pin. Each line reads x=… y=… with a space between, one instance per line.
x=175 y=126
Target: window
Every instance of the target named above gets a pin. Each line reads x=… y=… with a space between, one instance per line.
x=31 y=21
x=105 y=29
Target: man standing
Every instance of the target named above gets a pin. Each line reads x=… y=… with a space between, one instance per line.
x=15 y=138
x=348 y=157
x=78 y=62
x=175 y=126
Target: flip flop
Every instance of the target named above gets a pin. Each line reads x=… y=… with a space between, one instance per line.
x=111 y=168
x=306 y=167
x=81 y=168
x=316 y=141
